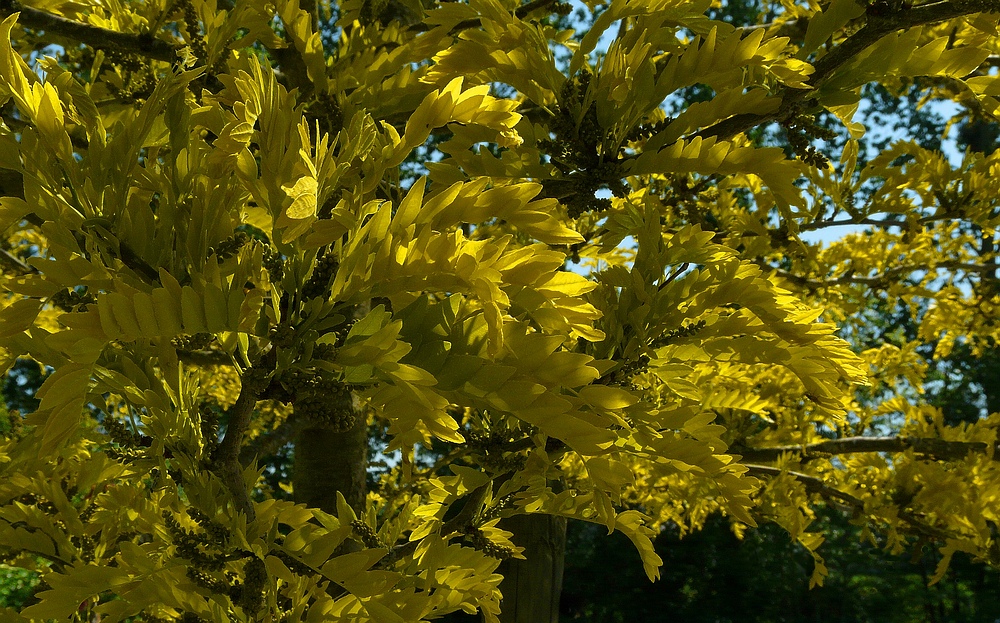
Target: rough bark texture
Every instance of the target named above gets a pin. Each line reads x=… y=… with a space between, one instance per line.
x=531 y=587
x=326 y=462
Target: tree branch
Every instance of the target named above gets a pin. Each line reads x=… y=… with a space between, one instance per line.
x=876 y=281
x=938 y=449
x=270 y=443
x=874 y=29
x=817 y=486
x=95 y=36
x=521 y=12
x=226 y=461
x=456 y=524
x=207 y=357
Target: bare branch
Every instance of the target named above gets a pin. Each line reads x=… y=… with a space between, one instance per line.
x=938 y=449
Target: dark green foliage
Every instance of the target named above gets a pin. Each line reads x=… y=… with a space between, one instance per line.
x=712 y=577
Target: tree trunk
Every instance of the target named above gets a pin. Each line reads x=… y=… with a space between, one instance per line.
x=327 y=461
x=531 y=587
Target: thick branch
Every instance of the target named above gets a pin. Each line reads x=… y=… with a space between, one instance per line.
x=939 y=449
x=95 y=36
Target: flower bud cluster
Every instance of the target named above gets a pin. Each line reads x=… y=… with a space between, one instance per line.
x=800 y=130
x=622 y=377
x=688 y=330
x=230 y=246
x=186 y=342
x=294 y=564
x=321 y=278
x=138 y=82
x=320 y=398
x=282 y=336
x=366 y=534
x=209 y=424
x=498 y=507
x=203 y=549
x=324 y=351
x=85 y=546
x=494 y=450
x=68 y=300
x=578 y=151
x=325 y=110
x=195 y=39
x=273 y=264
x=250 y=595
x=486 y=546
x=256 y=380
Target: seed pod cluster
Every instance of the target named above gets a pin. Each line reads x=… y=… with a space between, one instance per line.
x=321 y=278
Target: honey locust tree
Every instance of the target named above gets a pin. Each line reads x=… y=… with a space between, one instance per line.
x=214 y=244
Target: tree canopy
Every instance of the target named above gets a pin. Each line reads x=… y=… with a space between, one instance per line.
x=558 y=278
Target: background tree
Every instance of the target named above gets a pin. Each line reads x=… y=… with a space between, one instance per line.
x=226 y=256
